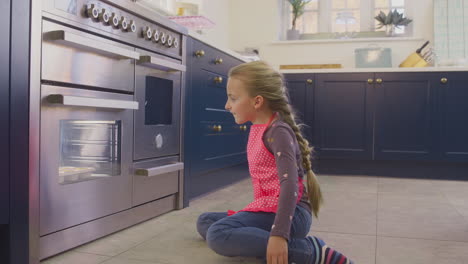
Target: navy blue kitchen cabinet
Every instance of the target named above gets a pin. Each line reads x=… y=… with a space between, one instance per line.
x=405 y=123
x=4 y=113
x=213 y=143
x=343 y=115
x=418 y=116
x=301 y=95
x=452 y=108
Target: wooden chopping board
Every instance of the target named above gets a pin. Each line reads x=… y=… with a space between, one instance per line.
x=310 y=66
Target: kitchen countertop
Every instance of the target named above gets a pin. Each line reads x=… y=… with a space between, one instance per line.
x=356 y=70
x=201 y=38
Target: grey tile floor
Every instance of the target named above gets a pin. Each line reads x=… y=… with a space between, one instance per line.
x=370 y=219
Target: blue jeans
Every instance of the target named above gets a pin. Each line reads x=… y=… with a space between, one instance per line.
x=246 y=234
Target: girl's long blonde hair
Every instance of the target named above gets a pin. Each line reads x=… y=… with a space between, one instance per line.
x=261 y=79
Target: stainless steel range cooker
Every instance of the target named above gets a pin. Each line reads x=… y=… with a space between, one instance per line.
x=110 y=119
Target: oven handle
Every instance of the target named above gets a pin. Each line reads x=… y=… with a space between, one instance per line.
x=161 y=64
x=70 y=100
x=155 y=171
x=74 y=40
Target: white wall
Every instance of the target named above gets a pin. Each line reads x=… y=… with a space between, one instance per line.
x=255 y=23
x=218 y=12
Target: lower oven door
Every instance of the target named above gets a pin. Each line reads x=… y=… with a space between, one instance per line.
x=85 y=156
x=157 y=122
x=156 y=178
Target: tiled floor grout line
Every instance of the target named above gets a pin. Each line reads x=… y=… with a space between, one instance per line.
x=427 y=239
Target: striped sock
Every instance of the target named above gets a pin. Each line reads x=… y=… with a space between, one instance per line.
x=326 y=255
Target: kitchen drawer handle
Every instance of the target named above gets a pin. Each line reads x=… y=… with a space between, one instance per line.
x=370 y=81
x=200 y=53
x=217 y=128
x=155 y=171
x=218 y=79
x=161 y=64
x=91 y=102
x=243 y=128
x=444 y=80
x=218 y=61
x=74 y=40
x=378 y=80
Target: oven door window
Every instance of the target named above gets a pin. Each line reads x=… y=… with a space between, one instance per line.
x=158 y=101
x=89 y=150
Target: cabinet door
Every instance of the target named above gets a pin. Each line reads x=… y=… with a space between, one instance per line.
x=404 y=119
x=4 y=113
x=453 y=112
x=218 y=142
x=343 y=115
x=300 y=89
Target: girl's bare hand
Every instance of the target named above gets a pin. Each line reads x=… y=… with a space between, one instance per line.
x=277 y=250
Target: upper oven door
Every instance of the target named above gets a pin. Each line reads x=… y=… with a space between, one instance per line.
x=157 y=122
x=70 y=56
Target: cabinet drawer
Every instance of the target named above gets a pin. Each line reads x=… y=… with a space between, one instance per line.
x=211 y=97
x=219 y=149
x=212 y=59
x=155 y=179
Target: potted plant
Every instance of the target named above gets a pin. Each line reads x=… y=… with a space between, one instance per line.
x=298 y=7
x=391 y=20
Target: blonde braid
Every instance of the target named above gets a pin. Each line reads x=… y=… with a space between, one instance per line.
x=313 y=187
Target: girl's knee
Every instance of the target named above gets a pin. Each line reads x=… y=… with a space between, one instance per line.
x=216 y=237
x=203 y=223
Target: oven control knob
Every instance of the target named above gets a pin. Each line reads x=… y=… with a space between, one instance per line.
x=124 y=24
x=104 y=16
x=158 y=141
x=132 y=26
x=147 y=33
x=92 y=12
x=163 y=38
x=156 y=35
x=170 y=41
x=115 y=20
x=176 y=43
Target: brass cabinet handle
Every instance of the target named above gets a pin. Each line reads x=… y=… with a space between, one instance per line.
x=217 y=128
x=218 y=79
x=378 y=80
x=370 y=81
x=444 y=80
x=243 y=128
x=218 y=61
x=309 y=81
x=200 y=53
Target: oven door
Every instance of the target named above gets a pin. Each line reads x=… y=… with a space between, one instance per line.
x=85 y=157
x=157 y=122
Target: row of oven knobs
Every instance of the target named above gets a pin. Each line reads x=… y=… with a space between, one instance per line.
x=113 y=19
x=157 y=36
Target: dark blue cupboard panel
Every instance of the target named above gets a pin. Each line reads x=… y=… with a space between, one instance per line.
x=343 y=115
x=301 y=89
x=453 y=108
x=4 y=112
x=210 y=155
x=218 y=149
x=404 y=116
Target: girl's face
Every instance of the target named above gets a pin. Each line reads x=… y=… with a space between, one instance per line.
x=239 y=103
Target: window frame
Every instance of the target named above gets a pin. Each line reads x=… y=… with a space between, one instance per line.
x=367 y=11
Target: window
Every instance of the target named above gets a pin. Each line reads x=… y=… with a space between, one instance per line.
x=163 y=7
x=340 y=16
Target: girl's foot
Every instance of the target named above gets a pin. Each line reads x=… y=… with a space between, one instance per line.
x=325 y=254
